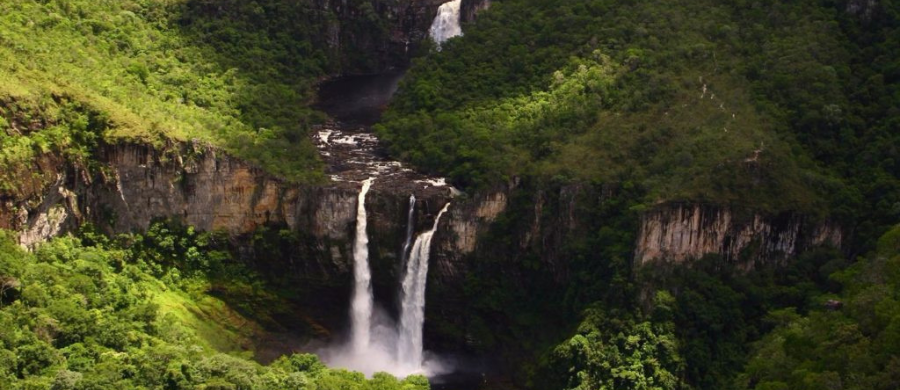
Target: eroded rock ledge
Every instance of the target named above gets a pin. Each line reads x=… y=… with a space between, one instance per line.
x=679 y=231
x=132 y=185
x=210 y=190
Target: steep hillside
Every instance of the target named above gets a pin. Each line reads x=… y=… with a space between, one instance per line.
x=664 y=131
x=649 y=195
x=762 y=104
x=240 y=75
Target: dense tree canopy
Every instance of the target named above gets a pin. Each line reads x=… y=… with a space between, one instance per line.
x=767 y=104
x=135 y=314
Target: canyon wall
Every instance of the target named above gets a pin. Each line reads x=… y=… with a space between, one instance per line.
x=134 y=185
x=376 y=36
x=666 y=232
x=205 y=188
x=678 y=232
x=496 y=233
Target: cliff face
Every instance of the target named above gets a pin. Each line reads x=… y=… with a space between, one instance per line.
x=205 y=188
x=683 y=231
x=506 y=228
x=377 y=35
x=458 y=233
x=542 y=228
x=212 y=191
x=672 y=232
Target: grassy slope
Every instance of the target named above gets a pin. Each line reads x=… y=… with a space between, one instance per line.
x=147 y=69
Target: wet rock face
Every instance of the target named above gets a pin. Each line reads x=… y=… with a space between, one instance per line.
x=680 y=232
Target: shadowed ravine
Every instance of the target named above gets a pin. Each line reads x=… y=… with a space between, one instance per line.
x=377 y=340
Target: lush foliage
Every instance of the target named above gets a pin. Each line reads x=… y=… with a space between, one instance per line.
x=769 y=104
x=765 y=104
x=236 y=74
x=93 y=314
x=726 y=102
x=815 y=323
x=851 y=341
x=609 y=354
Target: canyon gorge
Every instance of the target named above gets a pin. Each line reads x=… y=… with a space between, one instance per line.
x=394 y=266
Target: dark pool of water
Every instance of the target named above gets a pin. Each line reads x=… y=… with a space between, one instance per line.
x=358 y=100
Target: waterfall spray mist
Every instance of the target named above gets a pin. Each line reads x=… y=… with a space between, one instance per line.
x=377 y=343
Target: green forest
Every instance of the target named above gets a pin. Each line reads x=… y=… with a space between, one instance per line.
x=770 y=106
x=136 y=312
x=782 y=106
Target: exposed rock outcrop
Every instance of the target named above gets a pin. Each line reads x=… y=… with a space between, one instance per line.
x=679 y=232
x=212 y=191
x=458 y=233
x=507 y=226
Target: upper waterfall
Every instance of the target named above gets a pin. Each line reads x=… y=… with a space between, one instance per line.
x=361 y=306
x=412 y=314
x=446 y=23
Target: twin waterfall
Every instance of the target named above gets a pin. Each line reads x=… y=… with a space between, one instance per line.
x=406 y=353
x=446 y=24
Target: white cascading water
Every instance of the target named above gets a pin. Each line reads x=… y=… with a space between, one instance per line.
x=446 y=23
x=377 y=343
x=412 y=314
x=361 y=306
x=410 y=229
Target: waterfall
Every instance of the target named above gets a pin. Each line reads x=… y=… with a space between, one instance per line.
x=410 y=229
x=361 y=307
x=377 y=343
x=446 y=23
x=412 y=315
